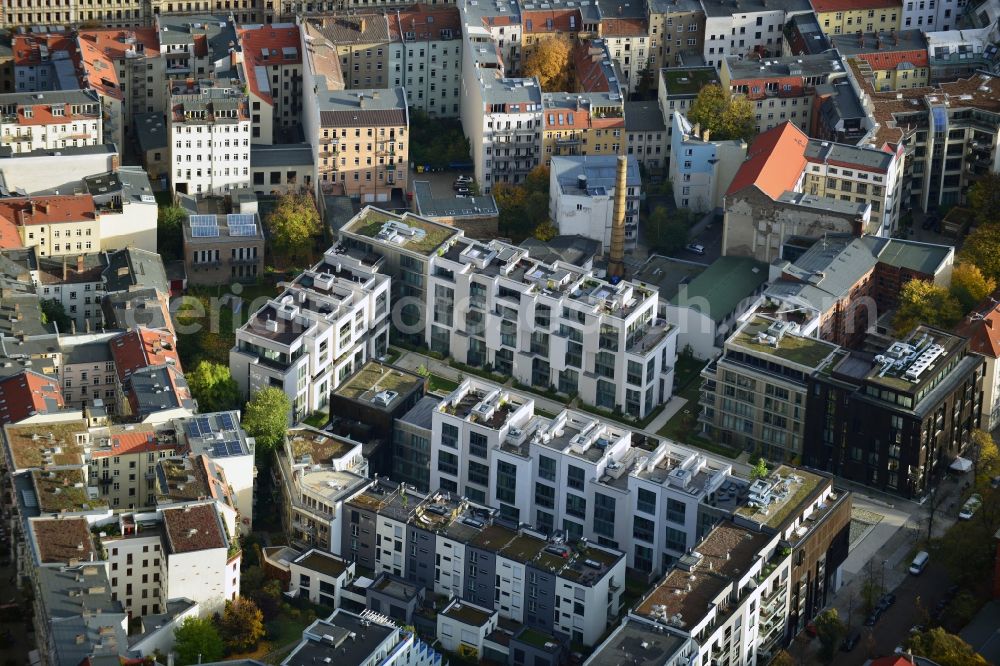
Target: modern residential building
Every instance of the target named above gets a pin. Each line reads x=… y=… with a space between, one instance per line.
x=217 y=252
x=582 y=197
x=476 y=215
x=411 y=444
x=271 y=67
x=209 y=129
x=769 y=200
x=550 y=325
x=919 y=400
x=702 y=169
x=894 y=60
x=838 y=17
x=369 y=638
x=322 y=327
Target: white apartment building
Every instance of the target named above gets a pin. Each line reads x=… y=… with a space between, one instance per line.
x=369 y=638
x=323 y=326
x=175 y=553
x=701 y=169
x=932 y=15
x=209 y=137
x=550 y=325
x=582 y=197
x=50 y=120
x=271 y=66
x=425 y=57
x=751 y=29
x=319 y=577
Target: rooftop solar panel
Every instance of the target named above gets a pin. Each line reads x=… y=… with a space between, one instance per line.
x=205 y=425
x=204 y=221
x=239 y=219
x=243 y=230
x=192 y=430
x=227 y=421
x=204 y=232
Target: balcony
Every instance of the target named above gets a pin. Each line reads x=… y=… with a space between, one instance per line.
x=17 y=138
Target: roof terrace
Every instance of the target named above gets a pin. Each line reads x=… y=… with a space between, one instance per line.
x=482 y=404
x=309 y=446
x=379 y=384
x=408 y=232
x=769 y=337
x=781 y=495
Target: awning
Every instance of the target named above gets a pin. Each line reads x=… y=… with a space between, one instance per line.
x=960 y=464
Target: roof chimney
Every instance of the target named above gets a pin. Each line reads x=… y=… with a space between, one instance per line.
x=616 y=263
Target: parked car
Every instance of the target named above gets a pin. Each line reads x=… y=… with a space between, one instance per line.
x=872 y=619
x=695 y=248
x=970 y=507
x=919 y=563
x=463 y=191
x=887 y=600
x=850 y=642
x=463 y=179
x=995 y=482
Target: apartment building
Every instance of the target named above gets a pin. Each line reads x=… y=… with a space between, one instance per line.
x=582 y=197
x=361 y=42
x=979 y=328
x=57 y=225
x=678 y=89
x=754 y=395
x=928 y=16
x=766 y=203
x=730 y=595
x=26 y=392
x=753 y=32
x=196 y=45
x=123 y=462
x=322 y=327
x=956 y=54
x=949 y=134
x=703 y=169
x=646 y=135
x=381 y=642
x=804 y=36
x=272 y=69
x=894 y=60
x=670 y=33
x=104 y=12
x=317 y=473
x=425 y=57
x=454 y=547
x=209 y=129
x=919 y=400
x=135 y=54
x=411 y=445
x=173 y=553
x=360 y=139
x=583 y=124
x=838 y=17
x=625 y=31
x=50 y=121
x=404 y=247
x=551 y=325
x=781 y=88
x=223 y=253
x=670 y=649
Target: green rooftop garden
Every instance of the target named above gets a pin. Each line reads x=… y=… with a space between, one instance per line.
x=806 y=351
x=688 y=81
x=64 y=490
x=374 y=377
x=435 y=234
x=534 y=638
x=779 y=512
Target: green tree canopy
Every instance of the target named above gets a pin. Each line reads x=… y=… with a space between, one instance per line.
x=970 y=286
x=984 y=199
x=197 y=641
x=436 y=142
x=830 y=631
x=292 y=226
x=943 y=648
x=213 y=386
x=759 y=470
x=524 y=207
x=727 y=117
x=54 y=312
x=666 y=231
x=549 y=61
x=266 y=418
x=982 y=248
x=170 y=232
x=922 y=302
x=982 y=451
x=546 y=231
x=242 y=625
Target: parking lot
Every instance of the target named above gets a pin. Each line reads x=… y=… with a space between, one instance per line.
x=441 y=181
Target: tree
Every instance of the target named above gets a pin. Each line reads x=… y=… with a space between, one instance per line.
x=982 y=248
x=549 y=61
x=982 y=452
x=54 y=312
x=922 y=302
x=944 y=649
x=292 y=225
x=830 y=631
x=170 y=232
x=266 y=418
x=984 y=199
x=546 y=231
x=523 y=207
x=213 y=386
x=759 y=470
x=970 y=286
x=197 y=641
x=727 y=117
x=871 y=591
x=782 y=658
x=242 y=625
x=666 y=231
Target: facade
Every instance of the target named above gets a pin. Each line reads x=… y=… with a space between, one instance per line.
x=919 y=401
x=582 y=197
x=550 y=325
x=895 y=61
x=756 y=31
x=702 y=169
x=209 y=130
x=322 y=327
x=646 y=135
x=670 y=33
x=840 y=17
x=586 y=124
x=425 y=57
x=319 y=577
x=58 y=225
x=955 y=54
x=677 y=91
x=941 y=16
x=411 y=445
x=369 y=638
x=979 y=327
x=59 y=119
x=223 y=253
x=281 y=168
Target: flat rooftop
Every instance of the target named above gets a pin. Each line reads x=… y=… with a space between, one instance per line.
x=767 y=68
x=64 y=490
x=62 y=540
x=755 y=335
x=317 y=447
x=687 y=81
x=787 y=491
x=406 y=232
x=453 y=205
x=379 y=384
x=467 y=613
x=639 y=643
x=323 y=563
x=47 y=444
x=909 y=364
x=193 y=528
x=343 y=638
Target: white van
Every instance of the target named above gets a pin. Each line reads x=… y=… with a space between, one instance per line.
x=919 y=563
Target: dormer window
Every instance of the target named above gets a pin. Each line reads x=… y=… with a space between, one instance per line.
x=28 y=112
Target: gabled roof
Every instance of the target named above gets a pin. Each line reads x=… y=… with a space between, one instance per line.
x=774 y=161
x=264 y=46
x=28 y=393
x=982 y=327
x=881 y=60
x=142 y=348
x=823 y=6
x=56 y=209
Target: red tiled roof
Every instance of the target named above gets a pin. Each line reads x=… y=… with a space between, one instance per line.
x=27 y=48
x=426 y=22
x=897 y=660
x=880 y=60
x=624 y=27
x=254 y=41
x=56 y=209
x=560 y=21
x=101 y=73
x=823 y=6
x=142 y=348
x=132 y=441
x=28 y=393
x=9 y=235
x=982 y=327
x=774 y=161
x=589 y=71
x=114 y=42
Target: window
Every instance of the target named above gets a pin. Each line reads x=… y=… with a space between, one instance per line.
x=477 y=444
x=546 y=468
x=604 y=515
x=676 y=511
x=646 y=501
x=576 y=506
x=575 y=477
